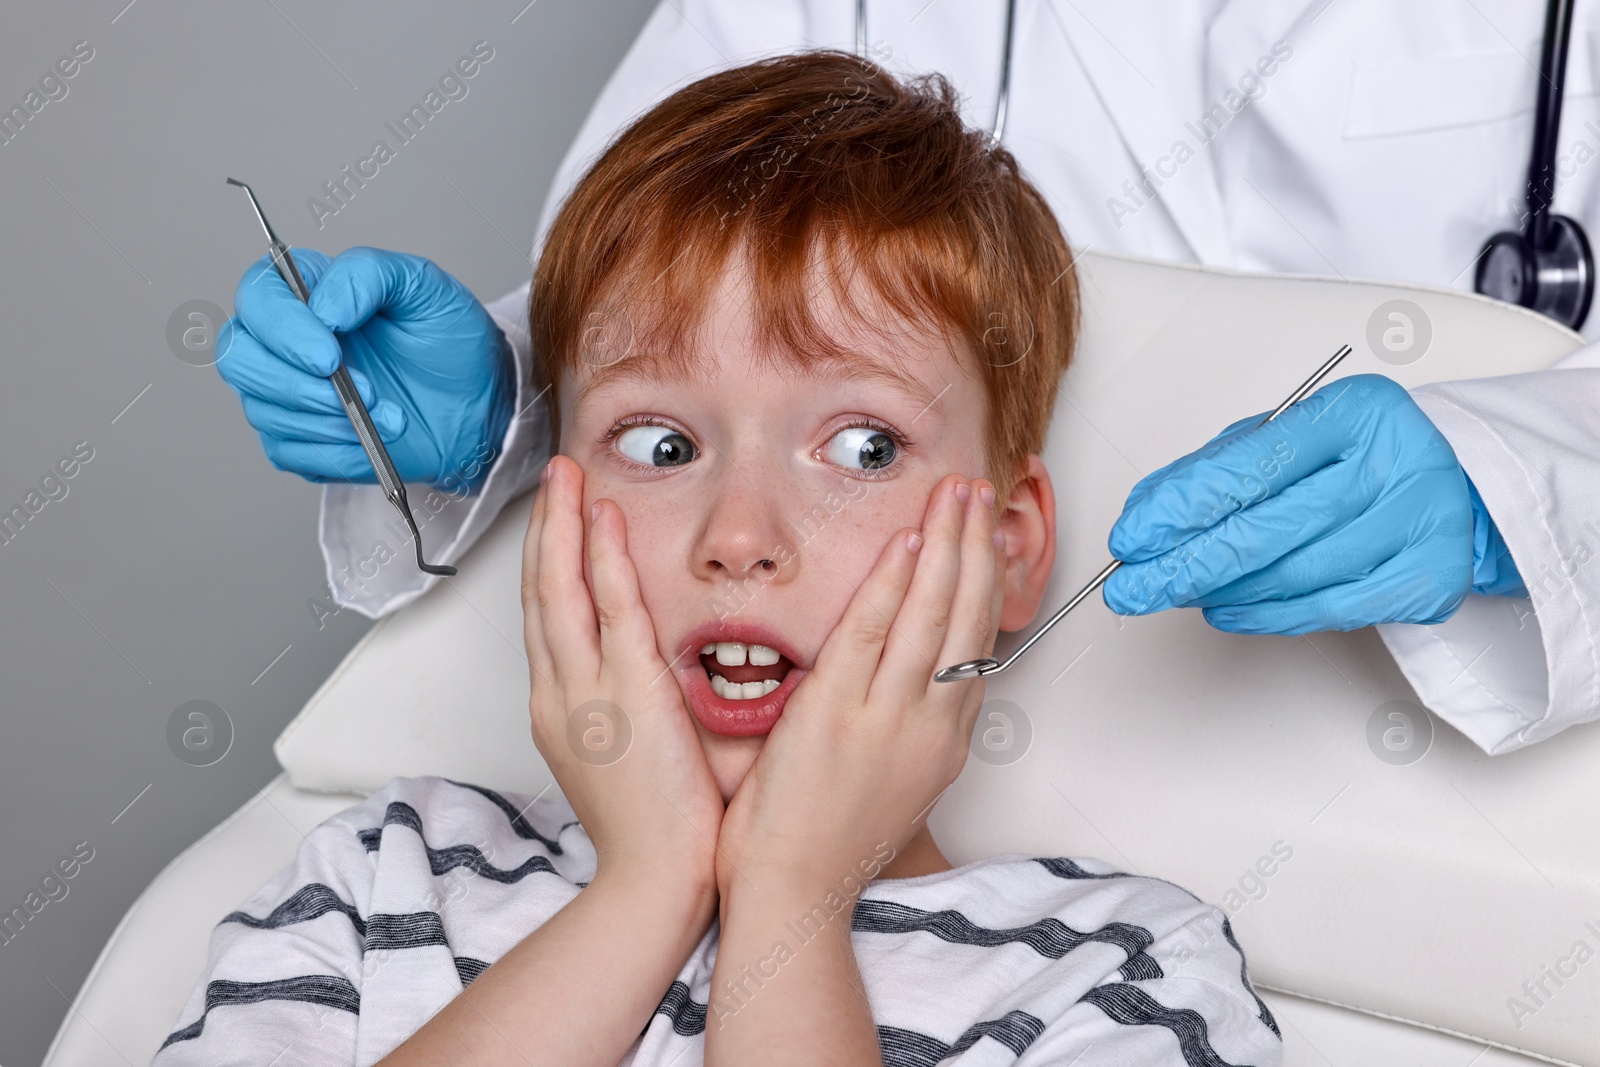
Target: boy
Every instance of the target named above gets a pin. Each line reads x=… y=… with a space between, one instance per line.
x=802 y=332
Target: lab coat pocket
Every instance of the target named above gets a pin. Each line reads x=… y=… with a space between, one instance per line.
x=1421 y=95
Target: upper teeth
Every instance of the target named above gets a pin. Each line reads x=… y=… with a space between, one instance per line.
x=734 y=653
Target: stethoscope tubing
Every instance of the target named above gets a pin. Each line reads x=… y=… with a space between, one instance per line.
x=1003 y=99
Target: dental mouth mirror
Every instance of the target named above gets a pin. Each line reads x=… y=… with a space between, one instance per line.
x=973 y=668
x=388 y=477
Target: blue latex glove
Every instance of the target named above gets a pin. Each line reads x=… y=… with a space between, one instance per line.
x=1347 y=510
x=434 y=370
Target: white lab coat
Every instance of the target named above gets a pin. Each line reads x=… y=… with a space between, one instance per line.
x=1362 y=138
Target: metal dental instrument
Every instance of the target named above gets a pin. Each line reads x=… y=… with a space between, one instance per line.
x=972 y=668
x=388 y=477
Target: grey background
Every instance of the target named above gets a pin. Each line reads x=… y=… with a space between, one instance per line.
x=180 y=564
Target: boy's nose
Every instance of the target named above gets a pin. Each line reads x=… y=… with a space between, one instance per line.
x=741 y=554
x=744 y=539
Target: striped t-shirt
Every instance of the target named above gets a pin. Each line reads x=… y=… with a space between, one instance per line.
x=394 y=905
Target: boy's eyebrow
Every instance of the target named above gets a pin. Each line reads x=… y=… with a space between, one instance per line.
x=861 y=368
x=635 y=367
x=848 y=366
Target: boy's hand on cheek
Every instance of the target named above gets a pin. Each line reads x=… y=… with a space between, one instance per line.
x=869 y=740
x=608 y=715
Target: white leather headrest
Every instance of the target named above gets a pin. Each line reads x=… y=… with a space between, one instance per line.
x=1238 y=767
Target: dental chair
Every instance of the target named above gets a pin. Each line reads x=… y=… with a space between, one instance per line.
x=1393 y=890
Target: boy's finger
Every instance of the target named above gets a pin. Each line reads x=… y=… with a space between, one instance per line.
x=561 y=592
x=976 y=601
x=849 y=657
x=919 y=633
x=533 y=638
x=627 y=637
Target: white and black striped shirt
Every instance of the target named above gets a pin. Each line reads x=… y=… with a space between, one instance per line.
x=394 y=905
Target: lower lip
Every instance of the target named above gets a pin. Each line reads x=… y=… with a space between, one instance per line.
x=737 y=718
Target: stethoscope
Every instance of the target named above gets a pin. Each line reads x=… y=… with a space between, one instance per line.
x=1547 y=265
x=1005 y=62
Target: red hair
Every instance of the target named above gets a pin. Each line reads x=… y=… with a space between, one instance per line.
x=813 y=159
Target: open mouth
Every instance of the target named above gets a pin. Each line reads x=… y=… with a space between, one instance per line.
x=738 y=671
x=740 y=687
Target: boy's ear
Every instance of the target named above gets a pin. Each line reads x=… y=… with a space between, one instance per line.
x=1029 y=525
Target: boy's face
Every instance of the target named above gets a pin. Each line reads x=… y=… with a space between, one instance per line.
x=758 y=496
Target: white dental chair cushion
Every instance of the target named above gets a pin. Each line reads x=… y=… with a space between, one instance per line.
x=1238 y=767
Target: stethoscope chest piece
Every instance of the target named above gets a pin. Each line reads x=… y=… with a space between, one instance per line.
x=1554 y=277
x=1547 y=265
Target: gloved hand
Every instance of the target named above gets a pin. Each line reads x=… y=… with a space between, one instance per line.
x=434 y=370
x=1347 y=510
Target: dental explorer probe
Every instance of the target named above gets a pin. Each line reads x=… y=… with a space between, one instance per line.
x=972 y=668
x=371 y=443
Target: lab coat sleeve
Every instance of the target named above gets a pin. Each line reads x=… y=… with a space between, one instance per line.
x=1509 y=671
x=365 y=546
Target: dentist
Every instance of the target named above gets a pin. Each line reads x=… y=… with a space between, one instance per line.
x=1359 y=138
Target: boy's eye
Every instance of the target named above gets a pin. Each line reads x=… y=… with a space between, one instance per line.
x=861 y=447
x=655 y=446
